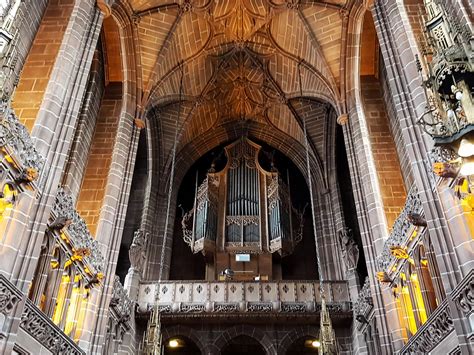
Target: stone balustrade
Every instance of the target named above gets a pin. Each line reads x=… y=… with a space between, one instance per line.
x=437 y=327
x=43 y=330
x=34 y=322
x=251 y=297
x=440 y=323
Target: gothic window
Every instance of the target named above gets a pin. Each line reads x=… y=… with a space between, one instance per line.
x=414 y=291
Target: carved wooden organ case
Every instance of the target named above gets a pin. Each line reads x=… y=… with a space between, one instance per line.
x=243 y=208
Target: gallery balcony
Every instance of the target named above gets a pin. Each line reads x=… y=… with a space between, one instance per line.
x=254 y=298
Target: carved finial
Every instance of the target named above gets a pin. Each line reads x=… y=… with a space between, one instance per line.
x=327 y=336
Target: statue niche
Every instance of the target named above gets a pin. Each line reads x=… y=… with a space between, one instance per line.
x=242 y=209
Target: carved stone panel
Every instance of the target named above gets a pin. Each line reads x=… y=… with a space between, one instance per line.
x=166 y=292
x=269 y=291
x=200 y=292
x=235 y=292
x=305 y=292
x=183 y=292
x=252 y=292
x=217 y=292
x=287 y=292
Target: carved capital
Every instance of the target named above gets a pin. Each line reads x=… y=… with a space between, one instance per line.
x=104 y=7
x=139 y=123
x=343 y=119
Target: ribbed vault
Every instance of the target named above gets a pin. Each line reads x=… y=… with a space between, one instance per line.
x=241 y=61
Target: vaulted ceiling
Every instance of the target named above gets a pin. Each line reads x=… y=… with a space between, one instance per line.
x=241 y=60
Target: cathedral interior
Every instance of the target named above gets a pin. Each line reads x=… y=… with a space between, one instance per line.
x=237 y=177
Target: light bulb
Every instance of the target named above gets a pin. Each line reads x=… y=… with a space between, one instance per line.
x=458 y=95
x=316 y=344
x=467 y=169
x=173 y=343
x=451 y=114
x=466 y=148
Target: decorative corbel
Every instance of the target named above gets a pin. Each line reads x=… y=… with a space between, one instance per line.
x=343 y=119
x=139 y=123
x=104 y=7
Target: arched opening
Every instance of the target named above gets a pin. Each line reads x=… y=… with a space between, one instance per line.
x=180 y=345
x=243 y=344
x=347 y=196
x=135 y=205
x=297 y=265
x=304 y=346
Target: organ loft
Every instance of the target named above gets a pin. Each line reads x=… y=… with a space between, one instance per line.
x=242 y=213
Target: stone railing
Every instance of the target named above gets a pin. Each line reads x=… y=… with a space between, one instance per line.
x=440 y=323
x=403 y=228
x=237 y=297
x=463 y=295
x=34 y=322
x=9 y=296
x=363 y=307
x=437 y=327
x=43 y=330
x=76 y=235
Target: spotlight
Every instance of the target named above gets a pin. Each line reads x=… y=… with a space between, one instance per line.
x=467 y=168
x=173 y=343
x=466 y=148
x=316 y=344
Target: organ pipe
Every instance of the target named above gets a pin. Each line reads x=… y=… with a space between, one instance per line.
x=238 y=203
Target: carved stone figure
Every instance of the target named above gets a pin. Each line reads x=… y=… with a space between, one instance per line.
x=349 y=248
x=136 y=252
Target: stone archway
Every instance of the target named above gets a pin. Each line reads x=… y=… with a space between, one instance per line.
x=187 y=333
x=295 y=334
x=243 y=344
x=246 y=330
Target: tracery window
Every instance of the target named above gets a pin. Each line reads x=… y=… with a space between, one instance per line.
x=58 y=288
x=416 y=289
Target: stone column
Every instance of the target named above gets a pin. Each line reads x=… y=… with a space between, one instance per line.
x=115 y=203
x=372 y=223
x=398 y=49
x=53 y=131
x=331 y=262
x=23 y=31
x=80 y=147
